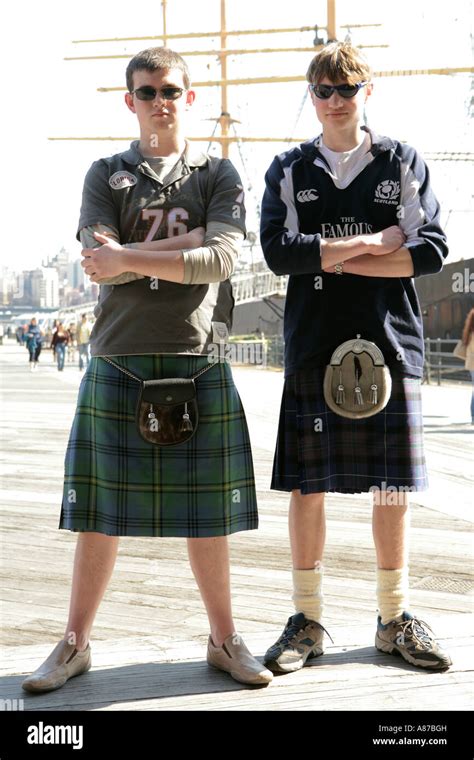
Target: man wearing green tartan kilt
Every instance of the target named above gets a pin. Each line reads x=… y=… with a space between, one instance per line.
x=161 y=227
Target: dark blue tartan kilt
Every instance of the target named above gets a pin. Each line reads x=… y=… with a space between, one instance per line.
x=319 y=451
x=118 y=484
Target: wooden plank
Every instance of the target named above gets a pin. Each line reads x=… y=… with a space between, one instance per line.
x=171 y=678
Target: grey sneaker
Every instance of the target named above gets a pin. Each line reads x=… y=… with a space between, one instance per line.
x=301 y=640
x=414 y=640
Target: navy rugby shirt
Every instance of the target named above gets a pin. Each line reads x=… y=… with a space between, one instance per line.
x=302 y=205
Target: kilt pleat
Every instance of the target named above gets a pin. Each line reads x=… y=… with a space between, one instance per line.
x=319 y=451
x=118 y=484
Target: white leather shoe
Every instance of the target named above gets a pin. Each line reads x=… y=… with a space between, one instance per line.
x=63 y=663
x=234 y=658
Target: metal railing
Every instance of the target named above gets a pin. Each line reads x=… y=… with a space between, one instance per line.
x=252 y=286
x=262 y=351
x=440 y=361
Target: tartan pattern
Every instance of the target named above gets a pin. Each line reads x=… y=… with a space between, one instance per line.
x=118 y=484
x=348 y=456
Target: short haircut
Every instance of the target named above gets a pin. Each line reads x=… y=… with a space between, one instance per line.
x=339 y=61
x=154 y=59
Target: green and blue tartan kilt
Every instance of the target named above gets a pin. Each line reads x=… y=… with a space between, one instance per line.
x=118 y=484
x=319 y=451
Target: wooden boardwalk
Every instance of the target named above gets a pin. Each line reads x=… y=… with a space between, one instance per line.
x=139 y=663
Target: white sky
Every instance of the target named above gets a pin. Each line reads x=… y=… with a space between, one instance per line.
x=45 y=96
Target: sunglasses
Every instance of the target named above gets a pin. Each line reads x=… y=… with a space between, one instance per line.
x=324 y=91
x=149 y=93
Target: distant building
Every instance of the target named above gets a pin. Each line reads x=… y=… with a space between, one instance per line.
x=76 y=275
x=8 y=286
x=61 y=263
x=45 y=287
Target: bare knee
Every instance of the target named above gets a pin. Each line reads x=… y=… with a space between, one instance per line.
x=92 y=538
x=96 y=549
x=307 y=501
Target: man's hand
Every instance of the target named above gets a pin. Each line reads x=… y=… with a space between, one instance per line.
x=386 y=241
x=103 y=262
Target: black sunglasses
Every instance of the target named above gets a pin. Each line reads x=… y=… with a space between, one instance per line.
x=324 y=91
x=149 y=93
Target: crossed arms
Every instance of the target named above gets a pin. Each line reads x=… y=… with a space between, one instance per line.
x=367 y=254
x=199 y=256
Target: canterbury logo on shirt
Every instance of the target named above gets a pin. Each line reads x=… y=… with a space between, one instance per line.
x=303 y=196
x=387 y=192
